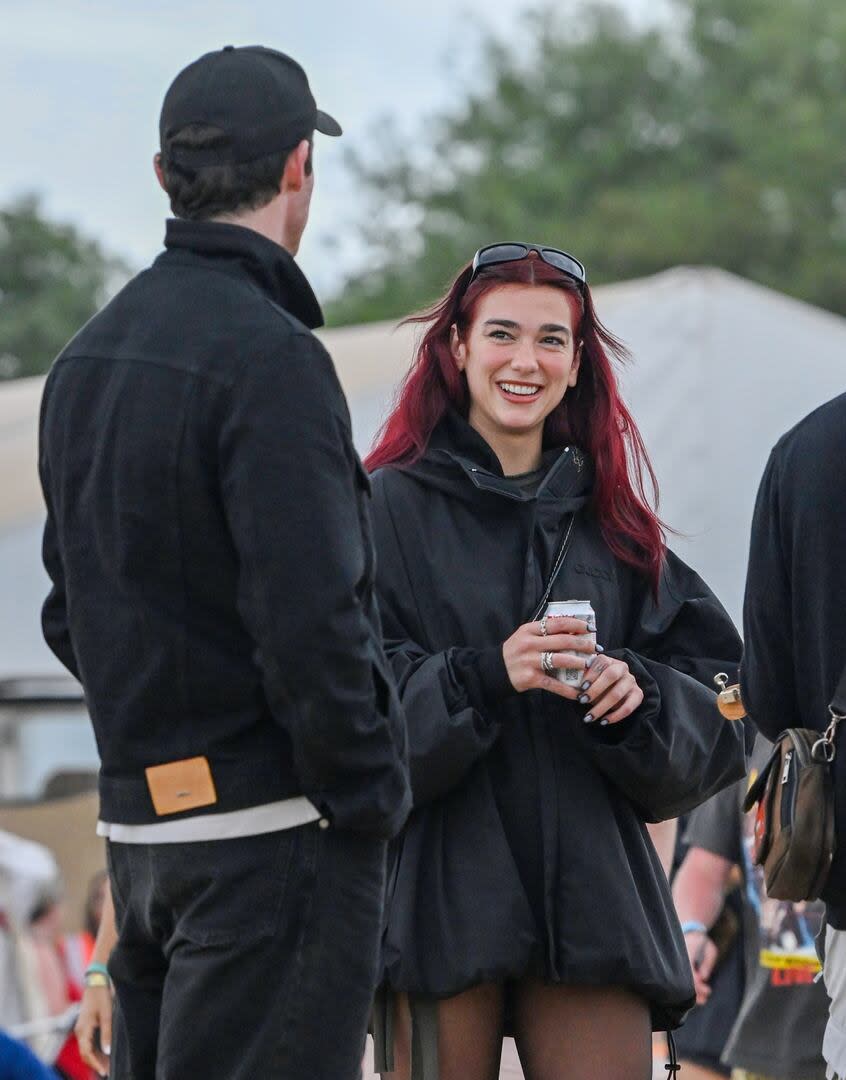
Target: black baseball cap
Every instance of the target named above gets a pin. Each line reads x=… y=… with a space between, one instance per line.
x=258 y=97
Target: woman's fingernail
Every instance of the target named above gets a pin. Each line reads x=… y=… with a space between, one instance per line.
x=603 y=723
x=600 y=648
x=589 y=661
x=589 y=718
x=107 y=1049
x=586 y=684
x=583 y=699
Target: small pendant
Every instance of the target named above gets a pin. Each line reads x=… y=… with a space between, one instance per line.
x=729 y=701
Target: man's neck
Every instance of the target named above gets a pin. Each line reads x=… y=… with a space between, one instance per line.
x=266 y=221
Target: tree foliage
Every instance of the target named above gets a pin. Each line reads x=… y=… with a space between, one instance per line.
x=51 y=281
x=717 y=137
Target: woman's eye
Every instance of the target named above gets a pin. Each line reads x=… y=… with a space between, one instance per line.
x=554 y=341
x=500 y=335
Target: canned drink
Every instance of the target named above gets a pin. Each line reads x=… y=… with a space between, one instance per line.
x=574 y=609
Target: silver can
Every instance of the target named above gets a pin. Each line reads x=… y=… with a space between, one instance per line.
x=575 y=609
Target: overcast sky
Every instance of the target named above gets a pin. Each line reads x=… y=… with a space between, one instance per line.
x=81 y=85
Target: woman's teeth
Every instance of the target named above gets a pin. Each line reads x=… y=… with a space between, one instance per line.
x=520 y=390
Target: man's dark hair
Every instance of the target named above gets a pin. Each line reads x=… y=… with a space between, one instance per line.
x=204 y=192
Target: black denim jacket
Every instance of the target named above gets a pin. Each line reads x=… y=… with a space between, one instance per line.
x=209 y=543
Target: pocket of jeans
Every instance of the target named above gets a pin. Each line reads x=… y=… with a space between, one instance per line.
x=224 y=892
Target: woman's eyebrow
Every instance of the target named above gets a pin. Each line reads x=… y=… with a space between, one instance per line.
x=547 y=328
x=508 y=323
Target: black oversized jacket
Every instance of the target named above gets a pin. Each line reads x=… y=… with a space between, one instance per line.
x=527 y=849
x=794 y=622
x=209 y=541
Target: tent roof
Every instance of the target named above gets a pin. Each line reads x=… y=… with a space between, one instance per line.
x=20 y=497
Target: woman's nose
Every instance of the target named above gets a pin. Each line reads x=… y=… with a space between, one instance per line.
x=523 y=358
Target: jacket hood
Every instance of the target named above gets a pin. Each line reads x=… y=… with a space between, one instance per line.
x=459 y=462
x=269 y=265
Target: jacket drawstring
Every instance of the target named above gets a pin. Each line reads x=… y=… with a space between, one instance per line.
x=673 y=1068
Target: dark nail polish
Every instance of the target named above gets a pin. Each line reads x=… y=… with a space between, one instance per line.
x=586 y=685
x=589 y=718
x=583 y=699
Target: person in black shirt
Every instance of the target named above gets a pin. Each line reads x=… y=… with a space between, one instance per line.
x=795 y=636
x=208 y=539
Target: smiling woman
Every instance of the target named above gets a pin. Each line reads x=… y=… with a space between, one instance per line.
x=525 y=894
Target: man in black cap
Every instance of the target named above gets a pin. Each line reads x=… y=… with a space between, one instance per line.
x=208 y=541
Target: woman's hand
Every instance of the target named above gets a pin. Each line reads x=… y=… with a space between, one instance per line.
x=566 y=639
x=93 y=1028
x=610 y=691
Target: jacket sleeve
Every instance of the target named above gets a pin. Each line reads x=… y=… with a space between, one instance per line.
x=54 y=611
x=302 y=534
x=446 y=695
x=767 y=674
x=676 y=750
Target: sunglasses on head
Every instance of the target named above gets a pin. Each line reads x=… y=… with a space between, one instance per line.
x=503 y=253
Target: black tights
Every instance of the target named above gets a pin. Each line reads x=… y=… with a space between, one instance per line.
x=561 y=1032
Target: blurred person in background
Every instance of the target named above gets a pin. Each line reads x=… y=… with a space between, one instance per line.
x=29 y=883
x=36 y=983
x=719 y=991
x=794 y=657
x=209 y=546
x=525 y=894
x=777 y=1034
x=58 y=986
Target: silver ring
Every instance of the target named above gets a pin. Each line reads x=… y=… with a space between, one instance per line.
x=543 y=625
x=547 y=666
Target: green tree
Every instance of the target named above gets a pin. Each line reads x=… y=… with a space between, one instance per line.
x=52 y=280
x=718 y=137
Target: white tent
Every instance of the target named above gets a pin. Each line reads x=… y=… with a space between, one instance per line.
x=721 y=368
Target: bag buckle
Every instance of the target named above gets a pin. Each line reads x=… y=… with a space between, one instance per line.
x=823 y=749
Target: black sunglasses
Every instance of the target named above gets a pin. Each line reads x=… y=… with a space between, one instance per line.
x=503 y=253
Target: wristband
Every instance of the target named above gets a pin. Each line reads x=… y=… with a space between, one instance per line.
x=96 y=979
x=97 y=975
x=694 y=926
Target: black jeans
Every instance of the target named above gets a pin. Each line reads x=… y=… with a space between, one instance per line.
x=248 y=959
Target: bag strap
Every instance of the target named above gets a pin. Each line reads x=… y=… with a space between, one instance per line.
x=823 y=749
x=838 y=702
x=556 y=566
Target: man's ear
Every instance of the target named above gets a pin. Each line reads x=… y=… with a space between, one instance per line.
x=157 y=168
x=457 y=348
x=294 y=173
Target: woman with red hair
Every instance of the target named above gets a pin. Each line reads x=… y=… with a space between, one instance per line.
x=524 y=893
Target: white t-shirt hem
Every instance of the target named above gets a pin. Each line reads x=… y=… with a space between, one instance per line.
x=252 y=821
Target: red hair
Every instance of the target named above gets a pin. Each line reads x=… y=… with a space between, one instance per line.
x=592 y=415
